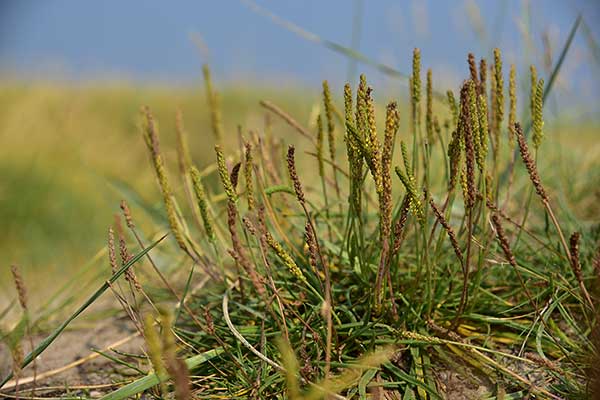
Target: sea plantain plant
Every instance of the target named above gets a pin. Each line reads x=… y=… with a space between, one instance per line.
x=408 y=261
x=385 y=278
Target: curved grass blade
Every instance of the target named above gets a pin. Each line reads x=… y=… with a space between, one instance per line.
x=279 y=189
x=150 y=380
x=46 y=342
x=336 y=47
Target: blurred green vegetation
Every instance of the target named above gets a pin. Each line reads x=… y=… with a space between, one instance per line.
x=63 y=147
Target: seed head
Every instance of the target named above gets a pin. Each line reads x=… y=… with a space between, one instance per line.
x=473 y=68
x=224 y=175
x=361 y=106
x=372 y=143
x=453 y=106
x=235 y=174
x=284 y=256
x=454 y=155
x=538 y=119
x=574 y=249
x=248 y=173
x=474 y=125
x=416 y=77
x=416 y=206
x=328 y=105
x=466 y=122
x=482 y=76
x=429 y=109
x=532 y=89
x=529 y=163
x=202 y=203
x=355 y=162
x=406 y=161
x=504 y=244
x=391 y=127
x=151 y=136
x=112 y=254
x=512 y=114
x=348 y=104
x=309 y=236
x=482 y=113
x=399 y=225
x=291 y=164
x=20 y=285
x=127 y=214
x=449 y=231
x=499 y=88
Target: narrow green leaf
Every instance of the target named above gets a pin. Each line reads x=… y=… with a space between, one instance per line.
x=279 y=189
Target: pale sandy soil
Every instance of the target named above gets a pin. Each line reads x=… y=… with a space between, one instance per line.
x=74 y=345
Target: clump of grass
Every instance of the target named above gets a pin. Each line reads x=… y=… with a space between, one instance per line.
x=453 y=282
x=351 y=281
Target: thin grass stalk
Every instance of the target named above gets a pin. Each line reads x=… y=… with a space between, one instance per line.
x=576 y=266
x=238 y=252
x=288 y=119
x=328 y=106
x=321 y=165
x=466 y=121
x=131 y=226
x=327 y=306
x=212 y=99
x=537 y=184
x=151 y=136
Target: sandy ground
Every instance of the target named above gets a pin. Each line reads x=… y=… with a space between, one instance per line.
x=74 y=345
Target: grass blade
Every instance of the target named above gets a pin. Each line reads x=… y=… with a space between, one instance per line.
x=336 y=47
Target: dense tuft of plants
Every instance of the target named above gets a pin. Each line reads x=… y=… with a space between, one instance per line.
x=384 y=261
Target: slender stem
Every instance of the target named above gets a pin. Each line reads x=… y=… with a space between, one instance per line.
x=465 y=288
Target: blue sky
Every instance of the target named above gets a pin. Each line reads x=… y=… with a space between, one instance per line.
x=152 y=40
